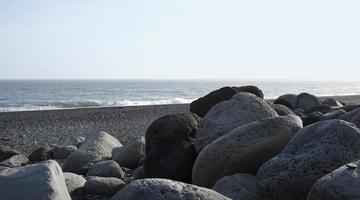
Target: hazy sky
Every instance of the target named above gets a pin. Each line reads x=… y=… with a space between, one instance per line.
x=252 y=39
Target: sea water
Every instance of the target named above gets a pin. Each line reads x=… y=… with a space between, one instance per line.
x=19 y=95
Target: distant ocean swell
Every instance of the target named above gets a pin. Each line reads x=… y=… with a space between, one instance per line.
x=92 y=103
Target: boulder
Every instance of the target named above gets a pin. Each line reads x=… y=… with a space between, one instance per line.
x=341 y=184
x=238 y=187
x=163 y=189
x=335 y=114
x=130 y=154
x=40 y=154
x=202 y=105
x=282 y=110
x=288 y=100
x=15 y=161
x=169 y=148
x=307 y=101
x=241 y=109
x=312 y=118
x=74 y=183
x=244 y=149
x=349 y=108
x=313 y=152
x=6 y=152
x=139 y=173
x=103 y=186
x=42 y=181
x=331 y=102
x=108 y=168
x=353 y=117
x=97 y=146
x=322 y=108
x=62 y=152
x=299 y=112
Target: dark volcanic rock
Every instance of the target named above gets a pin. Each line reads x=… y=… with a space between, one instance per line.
x=244 y=149
x=312 y=118
x=241 y=109
x=288 y=100
x=282 y=110
x=331 y=102
x=107 y=168
x=163 y=189
x=15 y=161
x=341 y=184
x=238 y=187
x=6 y=152
x=307 y=101
x=103 y=186
x=169 y=148
x=130 y=154
x=321 y=108
x=40 y=154
x=353 y=117
x=313 y=152
x=202 y=105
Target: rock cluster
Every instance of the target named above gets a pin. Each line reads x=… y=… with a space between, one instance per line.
x=234 y=145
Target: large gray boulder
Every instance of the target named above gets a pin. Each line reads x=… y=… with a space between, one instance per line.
x=244 y=149
x=62 y=152
x=202 y=105
x=282 y=110
x=97 y=146
x=163 y=189
x=313 y=152
x=238 y=187
x=170 y=152
x=106 y=186
x=130 y=154
x=74 y=183
x=107 y=168
x=341 y=184
x=307 y=101
x=353 y=117
x=43 y=181
x=241 y=109
x=288 y=100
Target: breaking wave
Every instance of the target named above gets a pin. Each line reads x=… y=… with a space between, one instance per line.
x=91 y=103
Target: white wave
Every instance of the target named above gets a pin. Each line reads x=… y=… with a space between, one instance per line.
x=93 y=103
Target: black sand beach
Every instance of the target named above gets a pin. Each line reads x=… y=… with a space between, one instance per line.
x=27 y=130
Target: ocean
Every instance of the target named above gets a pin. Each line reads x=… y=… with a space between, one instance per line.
x=21 y=95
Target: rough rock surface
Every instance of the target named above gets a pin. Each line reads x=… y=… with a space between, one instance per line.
x=15 y=161
x=103 y=186
x=312 y=118
x=43 y=181
x=241 y=109
x=108 y=168
x=163 y=189
x=74 y=183
x=288 y=100
x=40 y=154
x=169 y=149
x=331 y=102
x=6 y=152
x=130 y=154
x=353 y=117
x=244 y=149
x=341 y=184
x=202 y=105
x=335 y=114
x=307 y=101
x=238 y=187
x=62 y=152
x=97 y=146
x=282 y=110
x=313 y=152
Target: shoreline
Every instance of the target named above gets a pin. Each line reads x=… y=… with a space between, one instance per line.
x=28 y=130
x=348 y=99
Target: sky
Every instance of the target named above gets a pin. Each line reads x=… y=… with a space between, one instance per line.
x=186 y=39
